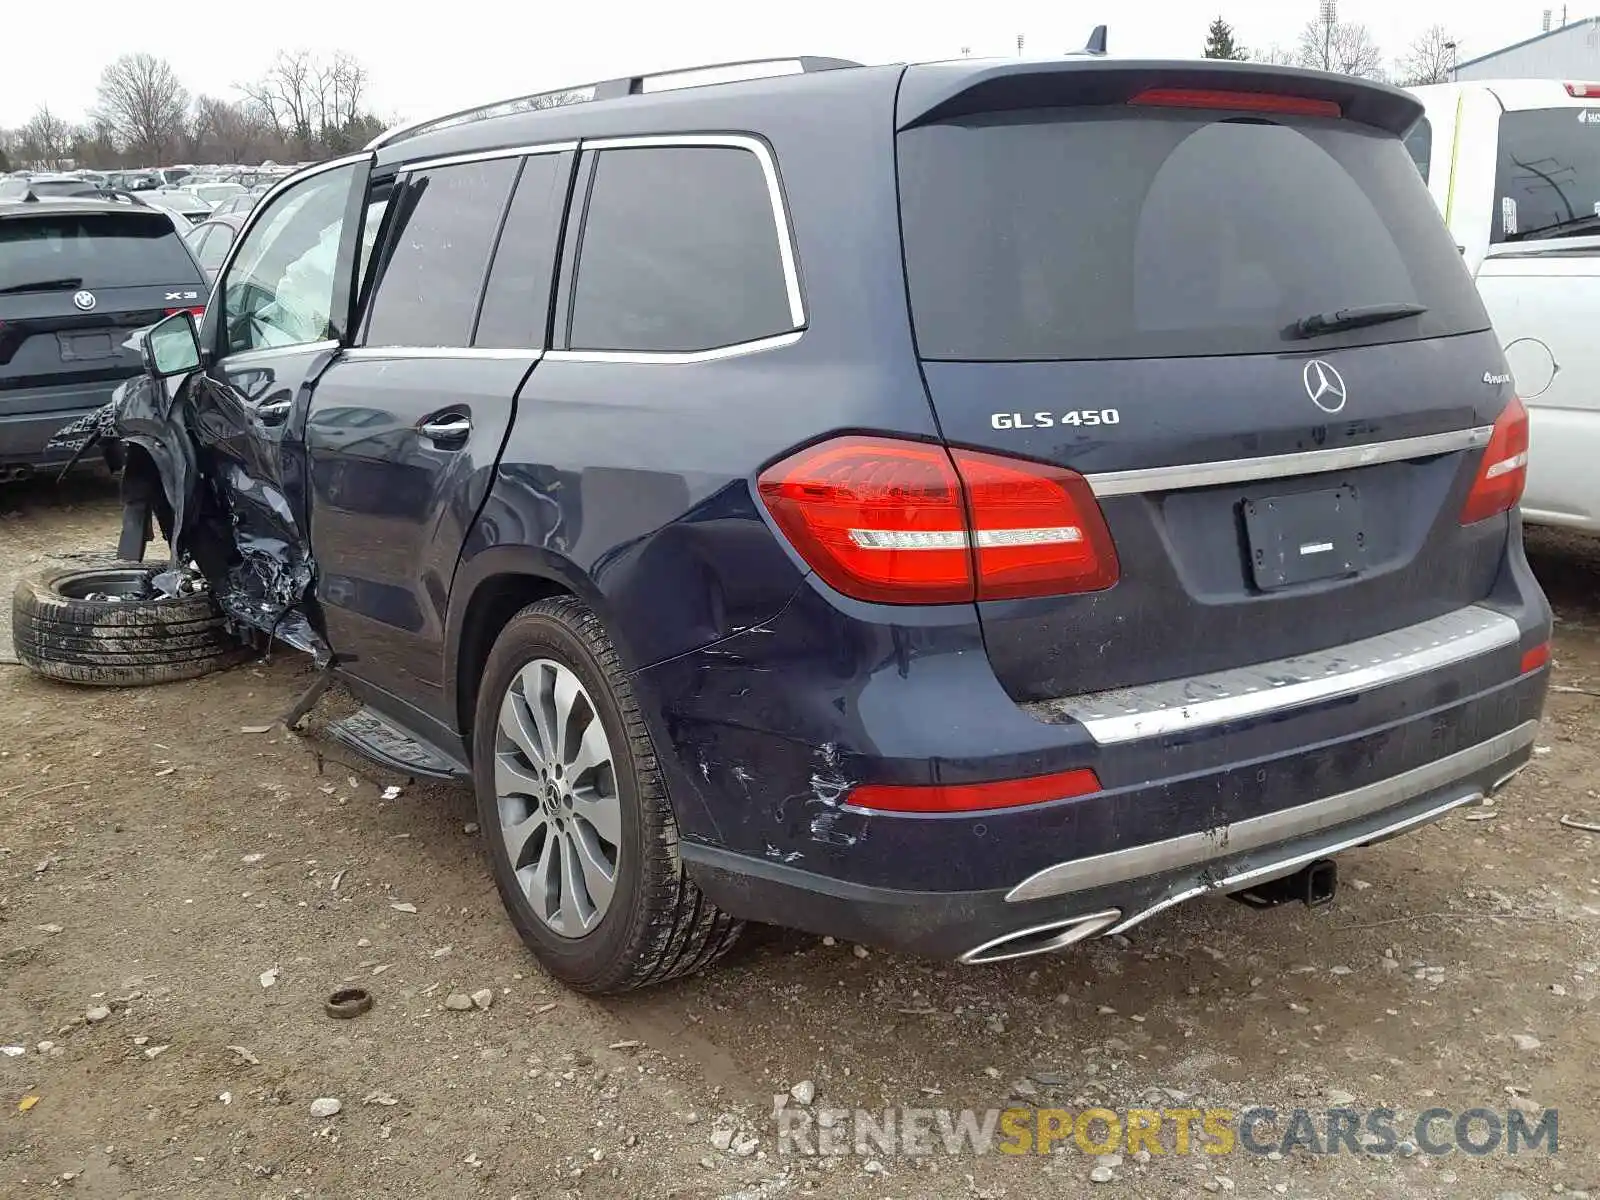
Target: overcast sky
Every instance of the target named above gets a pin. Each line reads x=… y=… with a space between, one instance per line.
x=465 y=51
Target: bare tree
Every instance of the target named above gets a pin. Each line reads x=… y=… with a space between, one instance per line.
x=343 y=88
x=1345 y=47
x=45 y=140
x=143 y=102
x=1430 y=59
x=290 y=95
x=1276 y=56
x=224 y=131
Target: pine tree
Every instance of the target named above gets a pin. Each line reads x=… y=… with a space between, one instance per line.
x=1219 y=42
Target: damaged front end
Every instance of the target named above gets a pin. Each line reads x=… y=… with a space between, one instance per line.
x=196 y=465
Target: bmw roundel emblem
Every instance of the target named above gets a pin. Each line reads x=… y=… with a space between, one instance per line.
x=84 y=300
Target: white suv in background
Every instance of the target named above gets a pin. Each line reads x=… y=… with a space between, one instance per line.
x=1514 y=166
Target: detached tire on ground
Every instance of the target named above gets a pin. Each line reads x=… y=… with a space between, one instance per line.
x=65 y=626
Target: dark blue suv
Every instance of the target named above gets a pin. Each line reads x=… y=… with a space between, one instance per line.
x=965 y=508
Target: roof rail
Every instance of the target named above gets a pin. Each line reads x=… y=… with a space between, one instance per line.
x=610 y=89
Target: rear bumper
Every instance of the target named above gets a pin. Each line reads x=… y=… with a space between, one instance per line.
x=30 y=417
x=1113 y=892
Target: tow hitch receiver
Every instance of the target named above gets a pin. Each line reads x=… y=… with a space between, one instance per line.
x=1313 y=885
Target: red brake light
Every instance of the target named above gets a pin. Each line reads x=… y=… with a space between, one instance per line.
x=877 y=519
x=910 y=523
x=1504 y=470
x=1038 y=529
x=973 y=797
x=1302 y=106
x=199 y=310
x=1581 y=90
x=1538 y=657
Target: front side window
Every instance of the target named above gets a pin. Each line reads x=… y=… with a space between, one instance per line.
x=680 y=253
x=432 y=274
x=214 y=249
x=279 y=290
x=1547 y=183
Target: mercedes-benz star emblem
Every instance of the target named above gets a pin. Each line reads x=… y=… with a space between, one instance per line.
x=84 y=300
x=1324 y=385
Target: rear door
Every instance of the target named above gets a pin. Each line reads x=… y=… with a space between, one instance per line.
x=74 y=286
x=406 y=428
x=276 y=321
x=1108 y=273
x=1540 y=279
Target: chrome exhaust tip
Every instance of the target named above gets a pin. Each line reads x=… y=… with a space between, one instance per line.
x=1042 y=939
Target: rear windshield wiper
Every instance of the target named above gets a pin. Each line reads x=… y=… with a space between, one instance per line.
x=1353 y=318
x=44 y=285
x=1588 y=223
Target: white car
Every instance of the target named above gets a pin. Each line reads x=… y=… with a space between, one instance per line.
x=1514 y=166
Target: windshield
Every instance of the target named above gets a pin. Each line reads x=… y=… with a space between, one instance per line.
x=1094 y=233
x=1548 y=179
x=102 y=249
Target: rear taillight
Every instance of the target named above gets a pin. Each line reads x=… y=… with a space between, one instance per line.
x=199 y=310
x=1302 y=106
x=973 y=797
x=1536 y=658
x=911 y=523
x=1504 y=470
x=1580 y=91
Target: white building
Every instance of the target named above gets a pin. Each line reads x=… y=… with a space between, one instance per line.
x=1571 y=52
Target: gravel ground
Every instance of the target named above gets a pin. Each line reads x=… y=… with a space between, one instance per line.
x=177 y=898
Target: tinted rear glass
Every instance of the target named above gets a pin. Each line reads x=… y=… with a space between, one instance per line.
x=1107 y=233
x=102 y=249
x=1548 y=181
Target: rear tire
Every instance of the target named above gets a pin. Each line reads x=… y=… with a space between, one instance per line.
x=649 y=923
x=61 y=633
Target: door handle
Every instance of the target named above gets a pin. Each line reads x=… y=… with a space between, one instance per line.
x=453 y=428
x=275 y=413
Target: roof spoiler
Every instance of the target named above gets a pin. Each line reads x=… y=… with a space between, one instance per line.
x=947 y=91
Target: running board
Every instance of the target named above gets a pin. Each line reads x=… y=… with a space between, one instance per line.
x=387 y=744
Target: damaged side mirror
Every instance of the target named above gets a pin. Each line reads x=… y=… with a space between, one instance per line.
x=171 y=347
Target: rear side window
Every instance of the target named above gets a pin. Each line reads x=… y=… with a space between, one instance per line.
x=1419 y=144
x=680 y=253
x=1106 y=233
x=214 y=248
x=516 y=304
x=1548 y=178
x=434 y=260
x=131 y=249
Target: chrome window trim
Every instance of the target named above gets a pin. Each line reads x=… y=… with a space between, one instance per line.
x=1303 y=820
x=375 y=353
x=715 y=354
x=473 y=156
x=1152 y=710
x=268 y=353
x=769 y=171
x=1283 y=466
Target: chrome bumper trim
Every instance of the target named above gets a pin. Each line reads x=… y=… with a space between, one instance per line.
x=1285 y=825
x=1284 y=466
x=1150 y=710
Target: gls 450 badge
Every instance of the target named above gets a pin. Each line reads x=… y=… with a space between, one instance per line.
x=1049 y=420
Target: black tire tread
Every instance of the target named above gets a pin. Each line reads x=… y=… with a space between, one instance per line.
x=117 y=644
x=679 y=931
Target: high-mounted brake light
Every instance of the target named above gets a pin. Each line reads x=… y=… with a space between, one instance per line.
x=1504 y=470
x=1579 y=91
x=902 y=522
x=973 y=797
x=1302 y=106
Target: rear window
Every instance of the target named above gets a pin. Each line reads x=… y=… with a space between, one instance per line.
x=1107 y=233
x=1548 y=178
x=102 y=249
